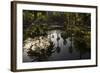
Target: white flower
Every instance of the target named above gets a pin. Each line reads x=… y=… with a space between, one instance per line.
x=33 y=48
x=27 y=45
x=40 y=42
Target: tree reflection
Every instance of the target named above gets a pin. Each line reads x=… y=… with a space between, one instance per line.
x=70 y=49
x=64 y=36
x=52 y=36
x=64 y=42
x=58 y=49
x=82 y=42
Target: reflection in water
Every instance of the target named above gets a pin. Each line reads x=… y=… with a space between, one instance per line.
x=52 y=36
x=55 y=46
x=70 y=49
x=82 y=42
x=58 y=49
x=64 y=42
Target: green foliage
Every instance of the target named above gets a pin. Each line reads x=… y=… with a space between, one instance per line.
x=28 y=17
x=35 y=30
x=82 y=41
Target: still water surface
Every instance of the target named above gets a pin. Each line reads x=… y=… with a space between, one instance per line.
x=63 y=49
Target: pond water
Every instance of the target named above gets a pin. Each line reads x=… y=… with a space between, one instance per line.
x=63 y=49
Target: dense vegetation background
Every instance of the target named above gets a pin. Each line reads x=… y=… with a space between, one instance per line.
x=76 y=25
x=68 y=20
